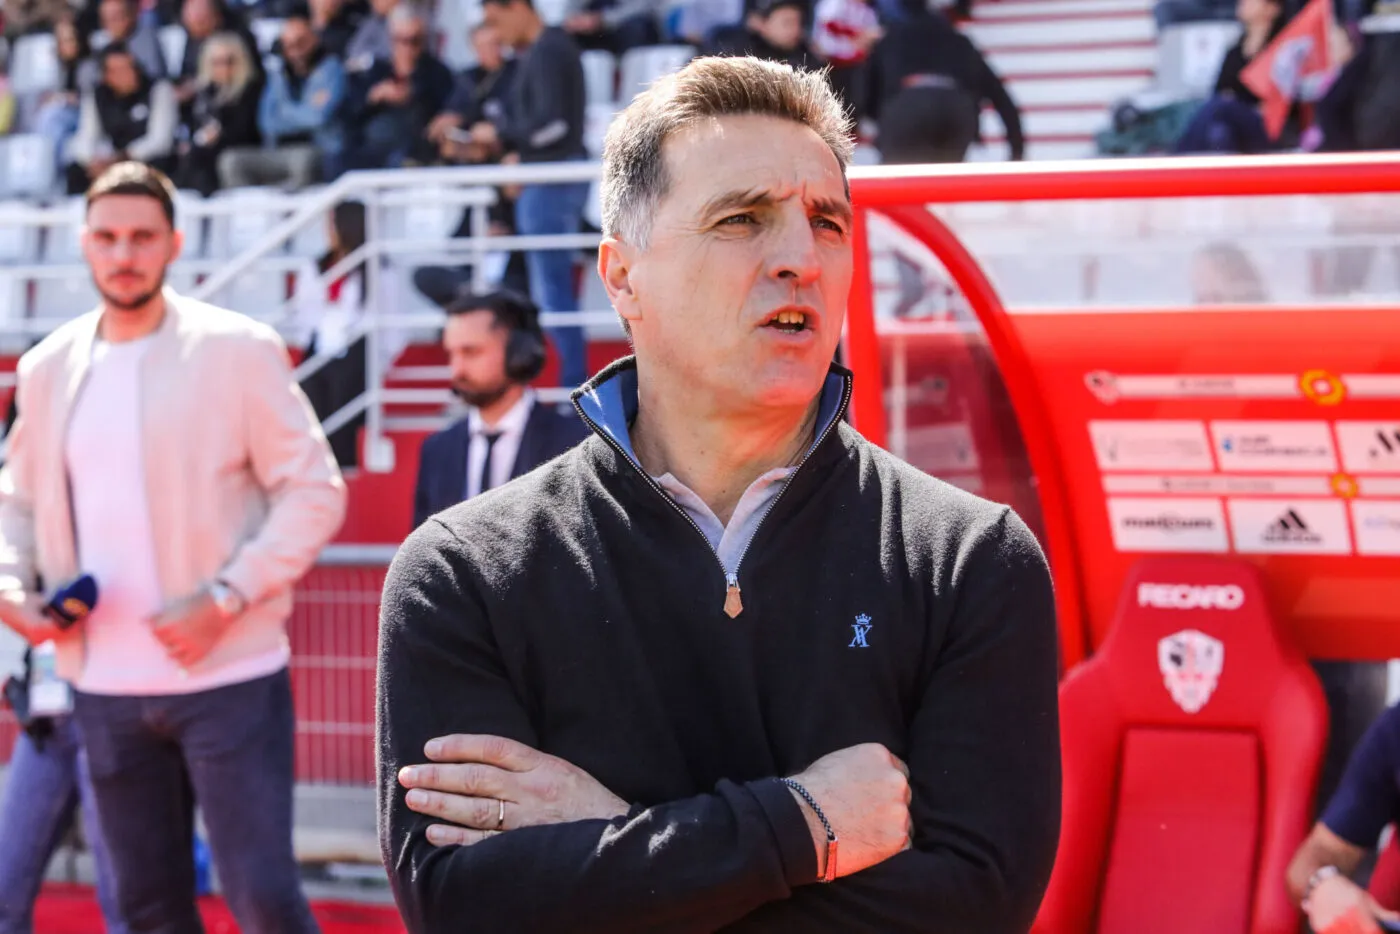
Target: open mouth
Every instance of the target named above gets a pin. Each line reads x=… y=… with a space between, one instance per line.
x=789 y=321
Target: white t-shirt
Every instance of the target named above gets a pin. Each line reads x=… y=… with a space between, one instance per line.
x=112 y=521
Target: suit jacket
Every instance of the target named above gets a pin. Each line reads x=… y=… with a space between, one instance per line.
x=442 y=462
x=240 y=482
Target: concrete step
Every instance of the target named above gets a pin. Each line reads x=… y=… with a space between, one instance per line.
x=1062 y=92
x=1051 y=9
x=1126 y=57
x=1080 y=121
x=990 y=35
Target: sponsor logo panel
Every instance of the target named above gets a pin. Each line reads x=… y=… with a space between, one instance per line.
x=1377 y=524
x=1191 y=596
x=1282 y=527
x=1167 y=525
x=1291 y=447
x=1370 y=447
x=1151 y=445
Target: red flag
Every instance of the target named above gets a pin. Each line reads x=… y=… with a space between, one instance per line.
x=1295 y=67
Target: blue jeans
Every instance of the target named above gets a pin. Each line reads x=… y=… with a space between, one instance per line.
x=1225 y=125
x=229 y=750
x=43 y=787
x=555 y=209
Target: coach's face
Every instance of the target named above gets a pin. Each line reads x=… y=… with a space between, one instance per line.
x=741 y=291
x=128 y=242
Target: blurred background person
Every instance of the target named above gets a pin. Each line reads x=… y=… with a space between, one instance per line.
x=303 y=137
x=330 y=312
x=56 y=111
x=616 y=26
x=127 y=116
x=222 y=115
x=1230 y=121
x=928 y=83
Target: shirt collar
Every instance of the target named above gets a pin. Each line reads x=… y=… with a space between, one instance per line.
x=610 y=402
x=513 y=422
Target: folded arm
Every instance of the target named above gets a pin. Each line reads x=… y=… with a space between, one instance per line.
x=691 y=865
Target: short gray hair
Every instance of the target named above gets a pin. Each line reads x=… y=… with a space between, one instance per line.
x=634 y=173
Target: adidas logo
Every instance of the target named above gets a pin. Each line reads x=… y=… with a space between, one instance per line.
x=1290 y=528
x=1387 y=443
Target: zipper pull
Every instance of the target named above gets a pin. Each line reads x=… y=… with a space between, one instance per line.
x=733 y=603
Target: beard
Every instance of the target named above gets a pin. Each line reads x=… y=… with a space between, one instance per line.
x=478 y=397
x=131 y=304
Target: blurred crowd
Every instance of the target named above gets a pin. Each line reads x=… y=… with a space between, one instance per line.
x=222 y=93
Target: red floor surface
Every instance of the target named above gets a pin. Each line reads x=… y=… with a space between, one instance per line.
x=71 y=909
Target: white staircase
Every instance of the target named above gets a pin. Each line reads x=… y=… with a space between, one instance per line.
x=1064 y=62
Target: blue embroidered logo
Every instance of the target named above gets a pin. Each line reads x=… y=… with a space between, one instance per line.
x=862 y=628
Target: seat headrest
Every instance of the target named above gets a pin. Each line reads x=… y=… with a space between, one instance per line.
x=1193 y=643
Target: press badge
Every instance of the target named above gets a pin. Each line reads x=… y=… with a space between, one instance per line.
x=49 y=695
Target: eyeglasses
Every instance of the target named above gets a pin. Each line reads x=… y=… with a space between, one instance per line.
x=223 y=61
x=408 y=40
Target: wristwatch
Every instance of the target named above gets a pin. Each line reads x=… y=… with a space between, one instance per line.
x=1320 y=875
x=228 y=600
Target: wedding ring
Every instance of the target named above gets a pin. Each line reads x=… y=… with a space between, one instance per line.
x=500 y=814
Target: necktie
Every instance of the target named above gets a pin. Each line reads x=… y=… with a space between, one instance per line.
x=490 y=437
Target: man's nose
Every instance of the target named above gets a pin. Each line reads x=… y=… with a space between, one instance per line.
x=794 y=255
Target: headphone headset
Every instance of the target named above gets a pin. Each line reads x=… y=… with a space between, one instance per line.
x=525 y=346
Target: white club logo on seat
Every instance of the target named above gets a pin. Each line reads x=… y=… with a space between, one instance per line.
x=1191 y=663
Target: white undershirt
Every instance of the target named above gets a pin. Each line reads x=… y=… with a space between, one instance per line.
x=112 y=521
x=503 y=453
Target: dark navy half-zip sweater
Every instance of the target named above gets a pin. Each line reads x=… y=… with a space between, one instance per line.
x=578 y=610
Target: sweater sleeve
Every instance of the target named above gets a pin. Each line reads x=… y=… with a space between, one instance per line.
x=984 y=767
x=690 y=865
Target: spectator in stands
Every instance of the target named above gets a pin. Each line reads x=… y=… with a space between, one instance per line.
x=494 y=347
x=616 y=26
x=371 y=42
x=223 y=114
x=700 y=20
x=163 y=447
x=845 y=33
x=1230 y=122
x=483 y=94
x=775 y=32
x=121 y=23
x=389 y=122
x=330 y=310
x=46 y=785
x=56 y=114
x=617 y=747
x=127 y=116
x=28 y=17
x=544 y=123
x=928 y=84
x=1366 y=800
x=202 y=19
x=336 y=22
x=297 y=116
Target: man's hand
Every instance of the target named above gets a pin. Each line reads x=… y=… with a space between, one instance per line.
x=389 y=91
x=1341 y=906
x=481 y=785
x=484 y=133
x=864 y=792
x=189 y=628
x=437 y=129
x=24 y=614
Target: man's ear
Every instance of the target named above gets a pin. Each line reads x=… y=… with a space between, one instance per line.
x=614 y=268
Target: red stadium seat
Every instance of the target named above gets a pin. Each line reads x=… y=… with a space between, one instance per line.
x=1192 y=742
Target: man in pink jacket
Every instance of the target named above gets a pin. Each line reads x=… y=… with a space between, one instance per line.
x=163 y=447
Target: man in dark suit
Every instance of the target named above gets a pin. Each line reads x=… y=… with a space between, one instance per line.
x=495 y=347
